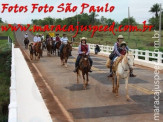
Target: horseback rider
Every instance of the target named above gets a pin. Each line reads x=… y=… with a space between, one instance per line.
x=26 y=36
x=36 y=39
x=83 y=49
x=57 y=39
x=115 y=53
x=120 y=49
x=64 y=41
x=42 y=37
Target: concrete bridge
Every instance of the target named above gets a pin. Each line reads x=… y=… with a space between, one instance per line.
x=45 y=91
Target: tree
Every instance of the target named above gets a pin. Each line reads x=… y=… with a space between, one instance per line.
x=49 y=20
x=125 y=21
x=1 y=20
x=110 y=21
x=155 y=21
x=93 y=16
x=155 y=9
x=103 y=20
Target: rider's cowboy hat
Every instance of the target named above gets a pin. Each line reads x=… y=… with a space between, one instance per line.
x=123 y=43
x=64 y=34
x=83 y=38
x=57 y=34
x=120 y=37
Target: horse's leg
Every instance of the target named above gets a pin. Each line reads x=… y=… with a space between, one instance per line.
x=66 y=62
x=77 y=76
x=58 y=53
x=126 y=87
x=61 y=60
x=31 y=56
x=117 y=84
x=113 y=90
x=87 y=78
x=84 y=83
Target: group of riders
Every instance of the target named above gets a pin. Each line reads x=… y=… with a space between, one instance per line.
x=120 y=49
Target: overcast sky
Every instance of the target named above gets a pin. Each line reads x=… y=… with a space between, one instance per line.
x=138 y=9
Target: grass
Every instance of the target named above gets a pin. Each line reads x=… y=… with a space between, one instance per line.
x=5 y=68
x=7 y=33
x=137 y=40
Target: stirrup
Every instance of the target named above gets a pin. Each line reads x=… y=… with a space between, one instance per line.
x=90 y=70
x=110 y=75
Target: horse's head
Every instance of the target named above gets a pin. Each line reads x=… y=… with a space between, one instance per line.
x=85 y=62
x=69 y=46
x=130 y=59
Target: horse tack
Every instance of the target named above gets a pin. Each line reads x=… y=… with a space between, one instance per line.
x=115 y=64
x=84 y=68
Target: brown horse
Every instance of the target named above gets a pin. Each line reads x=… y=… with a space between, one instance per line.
x=49 y=46
x=37 y=50
x=84 y=67
x=56 y=48
x=26 y=42
x=65 y=53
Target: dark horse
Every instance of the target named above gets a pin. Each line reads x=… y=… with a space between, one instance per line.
x=56 y=47
x=37 y=51
x=49 y=46
x=84 y=67
x=65 y=53
x=26 y=42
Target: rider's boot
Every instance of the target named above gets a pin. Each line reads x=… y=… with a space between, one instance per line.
x=111 y=72
x=75 y=70
x=90 y=70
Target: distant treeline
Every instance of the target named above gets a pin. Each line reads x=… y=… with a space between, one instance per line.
x=83 y=19
x=91 y=19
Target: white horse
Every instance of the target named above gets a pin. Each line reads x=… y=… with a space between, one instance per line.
x=123 y=71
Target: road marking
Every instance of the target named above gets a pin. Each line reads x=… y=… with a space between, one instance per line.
x=65 y=112
x=139 y=88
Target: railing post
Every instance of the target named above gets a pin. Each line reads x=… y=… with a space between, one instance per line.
x=102 y=48
x=136 y=53
x=159 y=57
x=147 y=55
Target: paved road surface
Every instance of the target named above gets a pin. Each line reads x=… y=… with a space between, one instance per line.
x=97 y=103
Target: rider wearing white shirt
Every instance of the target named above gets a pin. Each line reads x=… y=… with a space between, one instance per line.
x=35 y=39
x=39 y=39
x=64 y=41
x=26 y=36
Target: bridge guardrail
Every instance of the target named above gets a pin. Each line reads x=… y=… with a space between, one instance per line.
x=12 y=117
x=145 y=55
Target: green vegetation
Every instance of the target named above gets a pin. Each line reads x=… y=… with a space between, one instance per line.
x=7 y=33
x=155 y=20
x=136 y=40
x=5 y=66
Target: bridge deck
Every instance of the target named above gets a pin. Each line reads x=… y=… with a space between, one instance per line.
x=97 y=103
